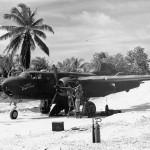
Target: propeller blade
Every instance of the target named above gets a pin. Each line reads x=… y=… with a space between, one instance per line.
x=54 y=98
x=52 y=102
x=55 y=74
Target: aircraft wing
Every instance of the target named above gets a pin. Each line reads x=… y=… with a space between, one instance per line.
x=114 y=79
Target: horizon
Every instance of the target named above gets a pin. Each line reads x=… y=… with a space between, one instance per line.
x=82 y=28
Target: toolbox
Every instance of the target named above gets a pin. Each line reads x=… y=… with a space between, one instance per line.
x=57 y=126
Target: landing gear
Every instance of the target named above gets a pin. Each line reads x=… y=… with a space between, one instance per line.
x=14 y=112
x=44 y=107
x=89 y=109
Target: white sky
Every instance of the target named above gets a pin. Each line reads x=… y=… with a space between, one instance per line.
x=83 y=27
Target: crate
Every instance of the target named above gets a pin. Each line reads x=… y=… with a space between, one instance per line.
x=57 y=126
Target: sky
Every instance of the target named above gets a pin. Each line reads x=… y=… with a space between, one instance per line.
x=84 y=27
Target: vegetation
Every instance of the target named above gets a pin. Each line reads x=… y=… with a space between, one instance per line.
x=40 y=64
x=135 y=62
x=71 y=65
x=26 y=34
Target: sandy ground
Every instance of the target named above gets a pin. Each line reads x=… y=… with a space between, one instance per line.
x=129 y=130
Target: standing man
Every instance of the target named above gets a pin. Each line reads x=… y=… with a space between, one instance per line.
x=78 y=95
x=70 y=99
x=69 y=92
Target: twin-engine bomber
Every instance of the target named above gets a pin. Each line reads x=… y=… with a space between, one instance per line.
x=46 y=86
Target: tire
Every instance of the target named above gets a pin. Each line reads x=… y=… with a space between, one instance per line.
x=44 y=110
x=13 y=114
x=44 y=107
x=89 y=109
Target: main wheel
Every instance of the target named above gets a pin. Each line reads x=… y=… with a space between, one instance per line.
x=44 y=107
x=89 y=109
x=13 y=114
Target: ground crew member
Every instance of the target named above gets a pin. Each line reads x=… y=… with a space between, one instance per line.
x=78 y=95
x=68 y=91
x=70 y=99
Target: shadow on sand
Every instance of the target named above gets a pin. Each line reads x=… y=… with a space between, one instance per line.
x=33 y=109
x=142 y=107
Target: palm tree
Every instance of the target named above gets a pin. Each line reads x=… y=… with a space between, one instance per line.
x=6 y=64
x=70 y=65
x=26 y=35
x=75 y=64
x=40 y=64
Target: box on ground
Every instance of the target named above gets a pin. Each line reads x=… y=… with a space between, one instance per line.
x=57 y=126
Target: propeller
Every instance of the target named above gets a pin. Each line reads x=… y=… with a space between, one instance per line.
x=56 y=86
x=55 y=74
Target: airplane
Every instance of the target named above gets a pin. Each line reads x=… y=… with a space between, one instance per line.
x=48 y=87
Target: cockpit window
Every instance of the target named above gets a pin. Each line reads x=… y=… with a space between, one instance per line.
x=33 y=76
x=36 y=76
x=39 y=76
x=25 y=74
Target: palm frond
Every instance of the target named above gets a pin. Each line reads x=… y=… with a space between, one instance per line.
x=14 y=44
x=41 y=44
x=15 y=18
x=19 y=30
x=40 y=33
x=23 y=6
x=44 y=27
x=25 y=11
x=38 y=22
x=32 y=16
x=6 y=36
x=8 y=28
x=13 y=33
x=17 y=13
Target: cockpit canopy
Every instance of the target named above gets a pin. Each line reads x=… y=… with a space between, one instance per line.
x=35 y=75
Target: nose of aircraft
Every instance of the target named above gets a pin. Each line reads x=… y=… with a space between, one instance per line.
x=6 y=87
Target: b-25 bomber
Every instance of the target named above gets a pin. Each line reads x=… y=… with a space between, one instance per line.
x=46 y=86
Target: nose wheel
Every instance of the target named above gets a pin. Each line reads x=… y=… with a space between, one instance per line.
x=13 y=114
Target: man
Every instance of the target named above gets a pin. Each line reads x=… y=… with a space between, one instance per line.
x=70 y=99
x=68 y=91
x=78 y=95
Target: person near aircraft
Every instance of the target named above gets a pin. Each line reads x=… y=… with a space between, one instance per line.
x=78 y=95
x=70 y=95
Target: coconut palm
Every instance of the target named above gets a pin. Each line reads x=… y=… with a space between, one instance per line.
x=6 y=65
x=70 y=65
x=40 y=64
x=75 y=64
x=26 y=34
